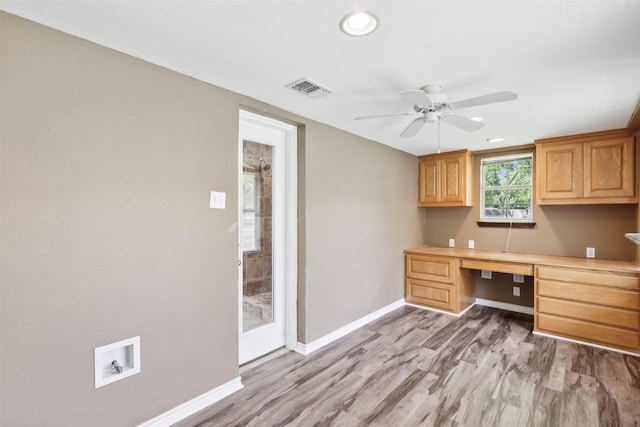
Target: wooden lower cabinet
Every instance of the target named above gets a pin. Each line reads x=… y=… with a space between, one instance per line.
x=431 y=294
x=599 y=307
x=438 y=282
x=588 y=331
x=594 y=301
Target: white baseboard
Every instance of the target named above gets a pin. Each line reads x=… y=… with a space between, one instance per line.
x=441 y=311
x=505 y=306
x=339 y=333
x=542 y=334
x=194 y=405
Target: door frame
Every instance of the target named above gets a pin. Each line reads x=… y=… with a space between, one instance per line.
x=290 y=250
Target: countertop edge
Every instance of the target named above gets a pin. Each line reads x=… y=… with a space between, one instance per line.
x=535 y=259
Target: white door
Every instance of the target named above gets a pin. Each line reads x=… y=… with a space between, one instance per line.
x=267 y=277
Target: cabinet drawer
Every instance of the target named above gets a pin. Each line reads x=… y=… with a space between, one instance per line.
x=589 y=277
x=629 y=319
x=621 y=298
x=579 y=329
x=431 y=294
x=433 y=268
x=498 y=266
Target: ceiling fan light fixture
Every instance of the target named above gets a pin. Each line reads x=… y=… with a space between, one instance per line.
x=431 y=117
x=359 y=23
x=476 y=119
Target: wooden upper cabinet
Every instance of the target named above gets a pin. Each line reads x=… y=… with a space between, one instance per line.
x=595 y=168
x=609 y=168
x=445 y=179
x=428 y=185
x=559 y=171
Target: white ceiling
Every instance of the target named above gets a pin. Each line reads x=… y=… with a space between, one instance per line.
x=574 y=64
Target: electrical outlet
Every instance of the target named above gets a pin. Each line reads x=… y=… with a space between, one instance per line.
x=518 y=278
x=485 y=274
x=591 y=252
x=516 y=291
x=472 y=244
x=452 y=243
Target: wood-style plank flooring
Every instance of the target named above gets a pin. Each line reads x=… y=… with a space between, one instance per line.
x=415 y=367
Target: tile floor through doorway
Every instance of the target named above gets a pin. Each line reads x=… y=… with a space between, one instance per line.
x=257 y=310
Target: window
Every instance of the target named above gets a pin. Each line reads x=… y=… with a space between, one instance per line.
x=250 y=229
x=506 y=188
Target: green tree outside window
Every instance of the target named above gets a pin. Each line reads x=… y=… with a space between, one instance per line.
x=506 y=191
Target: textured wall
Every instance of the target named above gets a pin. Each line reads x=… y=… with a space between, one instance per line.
x=361 y=215
x=107 y=163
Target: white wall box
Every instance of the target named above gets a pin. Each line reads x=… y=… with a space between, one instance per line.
x=116 y=361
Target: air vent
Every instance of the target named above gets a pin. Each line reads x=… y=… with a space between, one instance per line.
x=309 y=88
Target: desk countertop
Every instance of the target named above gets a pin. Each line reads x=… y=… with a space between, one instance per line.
x=534 y=259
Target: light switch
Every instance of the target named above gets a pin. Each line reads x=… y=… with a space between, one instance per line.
x=217 y=200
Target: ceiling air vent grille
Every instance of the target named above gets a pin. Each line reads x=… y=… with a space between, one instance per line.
x=309 y=88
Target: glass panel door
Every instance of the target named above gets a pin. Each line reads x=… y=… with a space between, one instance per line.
x=266 y=278
x=257 y=239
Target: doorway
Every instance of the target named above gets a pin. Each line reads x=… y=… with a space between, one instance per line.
x=267 y=238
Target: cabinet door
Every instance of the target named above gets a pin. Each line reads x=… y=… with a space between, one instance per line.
x=453 y=180
x=428 y=181
x=609 y=168
x=559 y=171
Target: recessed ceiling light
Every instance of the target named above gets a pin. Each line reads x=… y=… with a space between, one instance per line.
x=495 y=139
x=359 y=23
x=476 y=119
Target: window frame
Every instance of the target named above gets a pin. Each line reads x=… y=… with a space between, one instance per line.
x=504 y=159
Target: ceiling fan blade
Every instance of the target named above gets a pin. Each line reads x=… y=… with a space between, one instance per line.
x=463 y=123
x=417 y=97
x=485 y=99
x=413 y=128
x=379 y=116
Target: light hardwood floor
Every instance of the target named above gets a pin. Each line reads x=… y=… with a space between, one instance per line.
x=421 y=368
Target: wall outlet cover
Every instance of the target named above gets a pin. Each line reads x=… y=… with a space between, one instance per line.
x=516 y=291
x=217 y=200
x=518 y=278
x=452 y=243
x=591 y=252
x=485 y=274
x=472 y=244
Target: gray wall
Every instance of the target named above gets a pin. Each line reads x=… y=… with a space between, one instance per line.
x=105 y=170
x=361 y=215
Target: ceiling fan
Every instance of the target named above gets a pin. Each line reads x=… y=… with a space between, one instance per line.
x=433 y=106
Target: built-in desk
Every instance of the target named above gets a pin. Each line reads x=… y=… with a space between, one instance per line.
x=589 y=300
